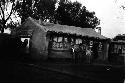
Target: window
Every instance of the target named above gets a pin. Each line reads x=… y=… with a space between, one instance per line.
x=123 y=49
x=55 y=39
x=60 y=39
x=60 y=43
x=65 y=39
x=26 y=44
x=78 y=41
x=57 y=42
x=54 y=45
x=23 y=39
x=119 y=49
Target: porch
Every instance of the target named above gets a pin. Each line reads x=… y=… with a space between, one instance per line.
x=75 y=48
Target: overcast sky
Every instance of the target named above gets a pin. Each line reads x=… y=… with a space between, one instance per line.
x=110 y=13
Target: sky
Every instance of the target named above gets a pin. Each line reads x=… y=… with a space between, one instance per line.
x=110 y=13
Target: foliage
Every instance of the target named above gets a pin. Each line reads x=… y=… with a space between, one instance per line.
x=43 y=9
x=12 y=25
x=46 y=9
x=75 y=14
x=24 y=9
x=66 y=13
x=7 y=8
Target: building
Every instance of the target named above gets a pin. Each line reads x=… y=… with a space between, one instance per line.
x=117 y=50
x=54 y=41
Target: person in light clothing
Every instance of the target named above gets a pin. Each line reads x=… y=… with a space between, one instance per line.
x=88 y=54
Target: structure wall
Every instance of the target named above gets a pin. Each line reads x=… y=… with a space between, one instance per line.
x=39 y=45
x=59 y=54
x=103 y=54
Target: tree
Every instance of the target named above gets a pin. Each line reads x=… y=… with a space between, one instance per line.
x=46 y=9
x=43 y=9
x=24 y=9
x=73 y=14
x=7 y=8
x=13 y=25
x=66 y=13
x=87 y=19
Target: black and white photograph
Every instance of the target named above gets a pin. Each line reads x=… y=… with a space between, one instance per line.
x=62 y=41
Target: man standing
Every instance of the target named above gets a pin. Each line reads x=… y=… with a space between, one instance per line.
x=88 y=54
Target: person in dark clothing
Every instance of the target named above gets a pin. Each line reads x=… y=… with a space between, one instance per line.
x=25 y=43
x=95 y=51
x=120 y=51
x=24 y=47
x=76 y=53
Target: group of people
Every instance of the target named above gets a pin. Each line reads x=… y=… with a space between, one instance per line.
x=79 y=53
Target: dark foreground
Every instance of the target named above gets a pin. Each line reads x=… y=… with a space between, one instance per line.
x=18 y=71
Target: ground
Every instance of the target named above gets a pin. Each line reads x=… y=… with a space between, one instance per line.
x=20 y=71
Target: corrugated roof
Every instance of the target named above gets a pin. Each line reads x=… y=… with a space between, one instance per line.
x=67 y=29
